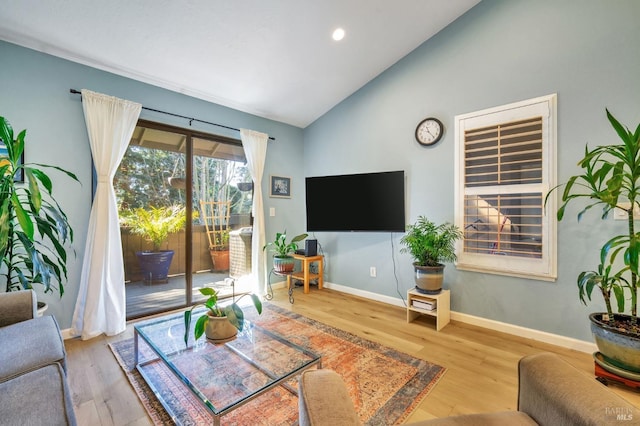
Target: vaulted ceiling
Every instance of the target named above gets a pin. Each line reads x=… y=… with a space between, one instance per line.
x=272 y=58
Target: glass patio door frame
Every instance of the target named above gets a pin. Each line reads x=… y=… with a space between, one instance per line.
x=190 y=135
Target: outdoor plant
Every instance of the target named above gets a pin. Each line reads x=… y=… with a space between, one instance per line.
x=221 y=240
x=156 y=223
x=233 y=312
x=611 y=179
x=30 y=257
x=281 y=248
x=430 y=244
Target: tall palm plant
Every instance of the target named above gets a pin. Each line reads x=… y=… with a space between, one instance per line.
x=611 y=179
x=34 y=229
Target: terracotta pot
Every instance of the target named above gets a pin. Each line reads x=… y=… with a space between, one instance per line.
x=219 y=329
x=619 y=348
x=283 y=264
x=429 y=278
x=220 y=259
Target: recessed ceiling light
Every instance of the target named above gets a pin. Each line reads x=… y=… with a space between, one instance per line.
x=338 y=34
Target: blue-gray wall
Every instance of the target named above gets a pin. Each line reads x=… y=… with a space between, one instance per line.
x=497 y=53
x=34 y=95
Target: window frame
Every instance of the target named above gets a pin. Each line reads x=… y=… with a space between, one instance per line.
x=544 y=268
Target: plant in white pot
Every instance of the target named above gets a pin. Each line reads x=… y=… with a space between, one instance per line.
x=155 y=224
x=219 y=323
x=430 y=245
x=283 y=262
x=30 y=257
x=611 y=179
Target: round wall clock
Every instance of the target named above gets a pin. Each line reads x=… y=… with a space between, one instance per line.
x=429 y=131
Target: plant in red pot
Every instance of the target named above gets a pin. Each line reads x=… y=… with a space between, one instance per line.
x=283 y=262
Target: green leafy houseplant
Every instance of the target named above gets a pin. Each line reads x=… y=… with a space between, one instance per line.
x=156 y=223
x=232 y=312
x=611 y=179
x=430 y=244
x=281 y=248
x=282 y=260
x=29 y=257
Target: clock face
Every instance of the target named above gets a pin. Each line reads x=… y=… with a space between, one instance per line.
x=429 y=131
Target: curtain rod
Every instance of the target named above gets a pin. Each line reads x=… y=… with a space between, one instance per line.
x=191 y=120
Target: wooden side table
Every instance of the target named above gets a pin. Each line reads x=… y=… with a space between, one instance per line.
x=305 y=276
x=441 y=312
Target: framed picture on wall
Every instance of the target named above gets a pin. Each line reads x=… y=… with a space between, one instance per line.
x=280 y=187
x=4 y=157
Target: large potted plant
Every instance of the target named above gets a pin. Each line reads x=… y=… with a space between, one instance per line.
x=219 y=323
x=610 y=179
x=283 y=262
x=30 y=257
x=155 y=225
x=430 y=245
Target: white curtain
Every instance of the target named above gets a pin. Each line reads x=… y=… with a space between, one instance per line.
x=101 y=304
x=255 y=148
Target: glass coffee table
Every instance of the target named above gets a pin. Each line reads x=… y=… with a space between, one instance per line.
x=223 y=376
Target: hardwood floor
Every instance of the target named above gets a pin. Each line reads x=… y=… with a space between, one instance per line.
x=481 y=364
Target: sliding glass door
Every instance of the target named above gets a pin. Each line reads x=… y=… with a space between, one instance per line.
x=184 y=200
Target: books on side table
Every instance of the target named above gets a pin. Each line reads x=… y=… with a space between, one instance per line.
x=429 y=305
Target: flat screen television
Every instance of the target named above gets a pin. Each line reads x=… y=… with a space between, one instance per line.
x=357 y=202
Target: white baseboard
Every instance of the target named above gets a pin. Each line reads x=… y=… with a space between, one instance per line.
x=516 y=330
x=67 y=334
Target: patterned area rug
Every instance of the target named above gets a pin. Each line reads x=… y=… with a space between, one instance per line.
x=385 y=385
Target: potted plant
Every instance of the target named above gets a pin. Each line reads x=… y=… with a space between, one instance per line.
x=219 y=324
x=219 y=251
x=283 y=262
x=430 y=245
x=610 y=179
x=155 y=225
x=24 y=207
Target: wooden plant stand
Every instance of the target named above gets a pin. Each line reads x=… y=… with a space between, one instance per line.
x=605 y=377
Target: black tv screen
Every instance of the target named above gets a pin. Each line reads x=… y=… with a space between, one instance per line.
x=357 y=202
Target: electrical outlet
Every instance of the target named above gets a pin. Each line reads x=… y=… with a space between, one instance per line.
x=372 y=271
x=619 y=214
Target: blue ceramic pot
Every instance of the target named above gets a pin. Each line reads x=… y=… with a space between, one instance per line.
x=618 y=347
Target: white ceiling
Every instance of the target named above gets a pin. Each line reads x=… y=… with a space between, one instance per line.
x=271 y=58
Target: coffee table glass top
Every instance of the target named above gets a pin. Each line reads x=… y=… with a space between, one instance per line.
x=226 y=375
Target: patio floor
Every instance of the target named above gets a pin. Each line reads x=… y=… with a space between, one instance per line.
x=145 y=299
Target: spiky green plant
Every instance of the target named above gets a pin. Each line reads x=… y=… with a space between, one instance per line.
x=156 y=223
x=611 y=179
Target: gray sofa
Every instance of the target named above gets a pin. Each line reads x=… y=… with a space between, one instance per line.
x=551 y=392
x=33 y=382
